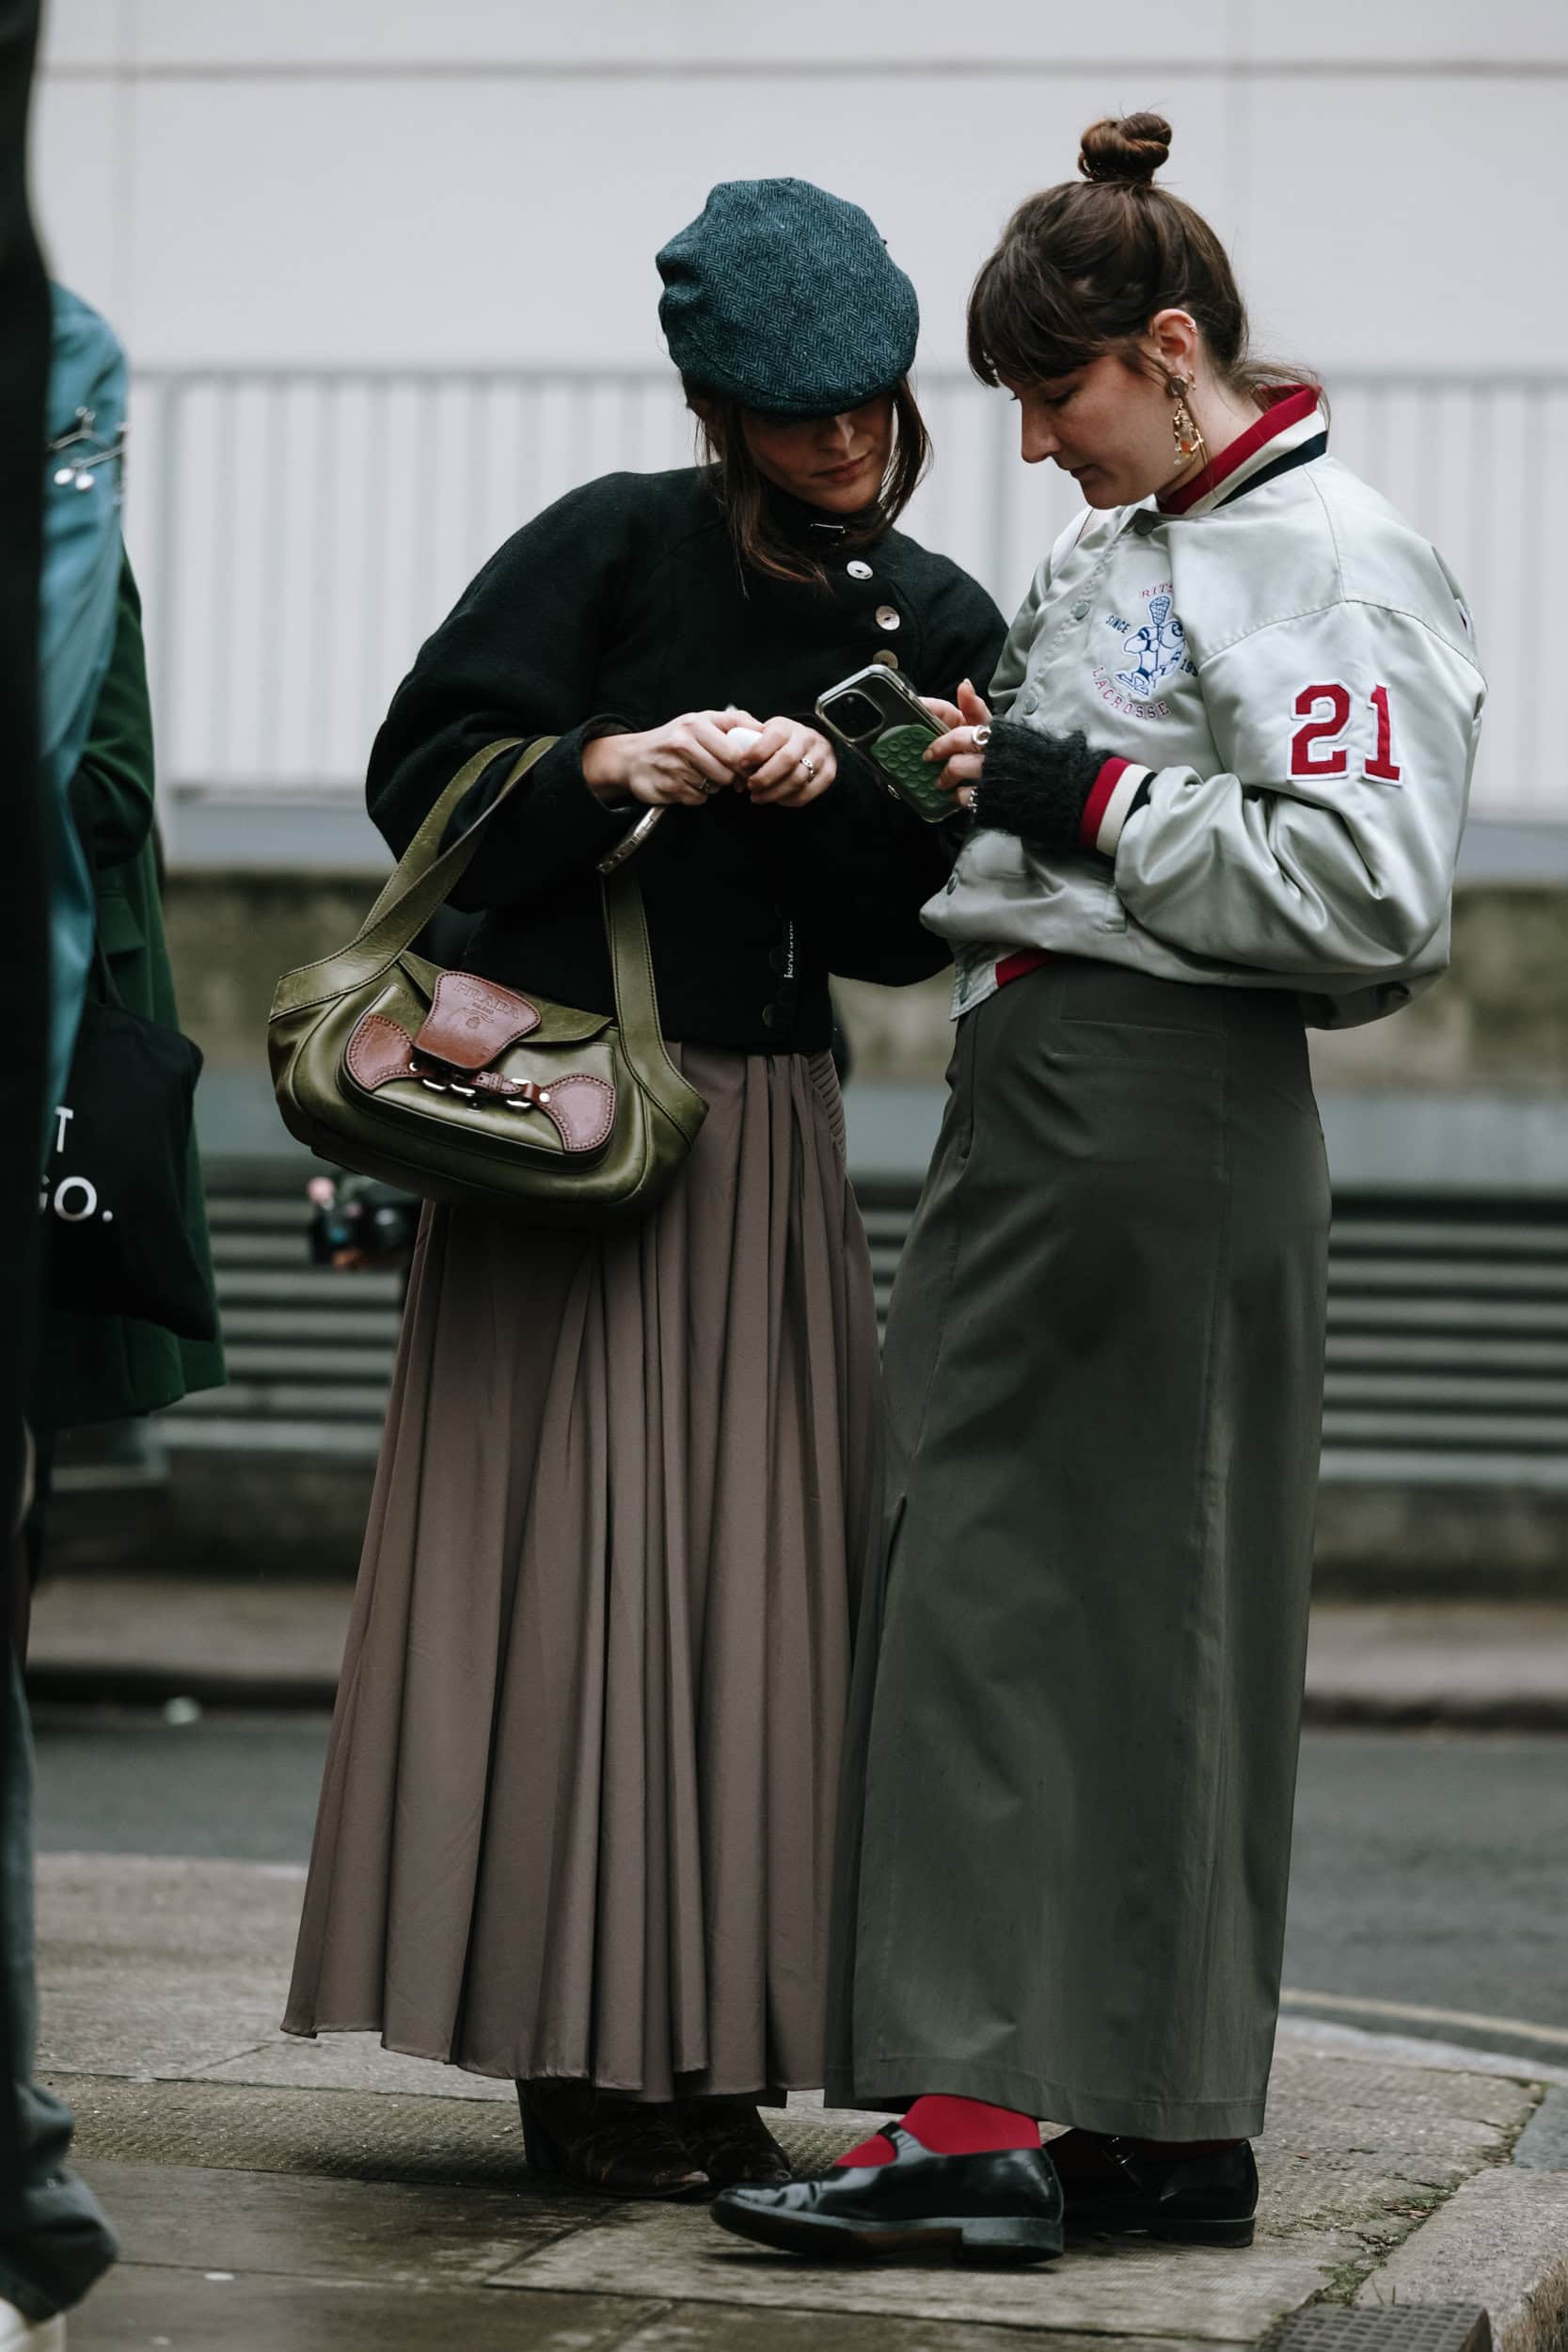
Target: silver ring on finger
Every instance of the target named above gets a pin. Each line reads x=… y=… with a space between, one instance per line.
x=809 y=764
x=979 y=738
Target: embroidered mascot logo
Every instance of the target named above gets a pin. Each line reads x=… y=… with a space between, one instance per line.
x=1155 y=650
x=1150 y=655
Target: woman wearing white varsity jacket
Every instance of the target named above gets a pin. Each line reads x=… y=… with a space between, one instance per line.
x=1217 y=794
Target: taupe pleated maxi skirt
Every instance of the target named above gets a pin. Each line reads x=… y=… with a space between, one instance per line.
x=1073 y=1751
x=578 y=1807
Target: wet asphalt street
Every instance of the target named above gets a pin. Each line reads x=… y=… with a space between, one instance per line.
x=1430 y=1869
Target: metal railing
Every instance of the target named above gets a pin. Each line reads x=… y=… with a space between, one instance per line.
x=298 y=532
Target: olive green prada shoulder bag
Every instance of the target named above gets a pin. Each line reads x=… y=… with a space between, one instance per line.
x=465 y=1091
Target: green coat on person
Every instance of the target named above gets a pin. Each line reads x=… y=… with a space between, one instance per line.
x=97 y=1368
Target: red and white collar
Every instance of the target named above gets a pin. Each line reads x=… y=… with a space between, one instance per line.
x=1293 y=422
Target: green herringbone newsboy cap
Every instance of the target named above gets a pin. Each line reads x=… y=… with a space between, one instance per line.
x=786 y=299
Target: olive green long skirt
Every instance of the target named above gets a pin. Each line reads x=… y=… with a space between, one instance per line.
x=577 y=1816
x=1067 y=1819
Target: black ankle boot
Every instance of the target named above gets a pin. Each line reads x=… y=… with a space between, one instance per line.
x=1115 y=2186
x=731 y=2143
x=1004 y=2206
x=616 y=2146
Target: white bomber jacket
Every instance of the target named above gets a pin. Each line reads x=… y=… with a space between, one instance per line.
x=1285 y=673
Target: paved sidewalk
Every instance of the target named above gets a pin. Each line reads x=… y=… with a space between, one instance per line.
x=248 y=1641
x=1473 y=1662
x=278 y=2196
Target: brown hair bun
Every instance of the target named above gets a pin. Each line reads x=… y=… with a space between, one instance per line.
x=1129 y=148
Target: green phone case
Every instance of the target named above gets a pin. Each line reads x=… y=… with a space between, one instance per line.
x=899 y=751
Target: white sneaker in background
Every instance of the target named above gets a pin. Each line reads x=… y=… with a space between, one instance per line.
x=29 y=2335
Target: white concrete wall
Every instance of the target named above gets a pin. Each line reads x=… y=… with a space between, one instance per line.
x=384 y=182
x=487 y=180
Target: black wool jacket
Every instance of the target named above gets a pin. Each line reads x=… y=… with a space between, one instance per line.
x=624 y=602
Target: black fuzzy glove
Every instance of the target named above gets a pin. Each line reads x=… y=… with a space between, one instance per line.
x=1037 y=785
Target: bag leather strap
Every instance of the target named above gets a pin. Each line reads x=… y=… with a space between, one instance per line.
x=420 y=882
x=80 y=802
x=637 y=1005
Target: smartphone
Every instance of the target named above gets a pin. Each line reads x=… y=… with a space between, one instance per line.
x=878 y=714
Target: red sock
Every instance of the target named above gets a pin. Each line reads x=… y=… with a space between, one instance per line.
x=953 y=2127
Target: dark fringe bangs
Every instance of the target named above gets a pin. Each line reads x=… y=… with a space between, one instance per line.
x=1025 y=325
x=742 y=487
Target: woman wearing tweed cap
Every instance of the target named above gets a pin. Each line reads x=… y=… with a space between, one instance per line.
x=576 y=1826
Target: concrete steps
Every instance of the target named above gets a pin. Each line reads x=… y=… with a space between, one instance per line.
x=1447 y=1340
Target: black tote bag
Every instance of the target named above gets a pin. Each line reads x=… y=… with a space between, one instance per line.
x=119 y=1154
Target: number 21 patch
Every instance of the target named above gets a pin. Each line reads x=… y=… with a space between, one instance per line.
x=1311 y=745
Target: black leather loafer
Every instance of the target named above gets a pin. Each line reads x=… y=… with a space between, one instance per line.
x=1112 y=2187
x=1002 y=2207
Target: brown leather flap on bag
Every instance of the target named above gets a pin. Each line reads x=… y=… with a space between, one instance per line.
x=583 y=1109
x=472 y=1021
x=580 y=1107
x=377 y=1052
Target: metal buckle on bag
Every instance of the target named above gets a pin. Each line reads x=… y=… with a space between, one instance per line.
x=512 y=1094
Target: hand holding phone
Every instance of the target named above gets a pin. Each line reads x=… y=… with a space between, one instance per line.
x=878 y=714
x=962 y=748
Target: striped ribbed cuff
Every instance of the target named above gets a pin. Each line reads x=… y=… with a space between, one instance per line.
x=1120 y=786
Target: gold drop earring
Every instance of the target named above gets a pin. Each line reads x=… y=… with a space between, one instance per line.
x=1190 y=442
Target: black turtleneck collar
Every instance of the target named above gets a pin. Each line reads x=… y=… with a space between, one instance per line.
x=813 y=528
